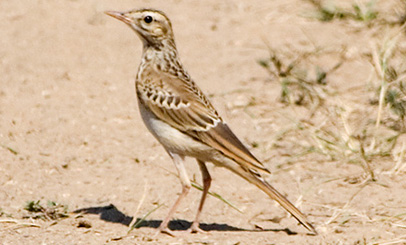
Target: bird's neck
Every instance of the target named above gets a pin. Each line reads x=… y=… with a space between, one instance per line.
x=165 y=59
x=160 y=52
x=159 y=45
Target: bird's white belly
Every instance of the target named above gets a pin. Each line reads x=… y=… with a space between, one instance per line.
x=171 y=138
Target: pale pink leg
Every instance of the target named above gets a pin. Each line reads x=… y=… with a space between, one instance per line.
x=206 y=185
x=184 y=179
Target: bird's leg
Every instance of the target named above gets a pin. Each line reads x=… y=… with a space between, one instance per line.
x=184 y=179
x=206 y=185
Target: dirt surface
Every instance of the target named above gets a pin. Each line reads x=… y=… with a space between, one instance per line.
x=70 y=131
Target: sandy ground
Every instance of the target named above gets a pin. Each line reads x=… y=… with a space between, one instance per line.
x=70 y=131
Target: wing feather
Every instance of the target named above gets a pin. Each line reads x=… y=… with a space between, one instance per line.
x=183 y=106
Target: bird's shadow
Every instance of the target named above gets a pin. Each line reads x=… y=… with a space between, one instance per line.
x=110 y=213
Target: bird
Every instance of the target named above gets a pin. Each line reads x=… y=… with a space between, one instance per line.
x=181 y=117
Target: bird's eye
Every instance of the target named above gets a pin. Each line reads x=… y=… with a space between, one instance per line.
x=148 y=19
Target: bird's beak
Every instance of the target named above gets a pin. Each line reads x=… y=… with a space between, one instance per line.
x=120 y=16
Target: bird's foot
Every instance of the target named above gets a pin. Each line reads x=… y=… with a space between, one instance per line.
x=194 y=228
x=165 y=230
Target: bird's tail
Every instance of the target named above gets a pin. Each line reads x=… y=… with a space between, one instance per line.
x=285 y=203
x=255 y=178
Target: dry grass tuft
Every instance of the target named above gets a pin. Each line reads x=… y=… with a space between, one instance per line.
x=335 y=127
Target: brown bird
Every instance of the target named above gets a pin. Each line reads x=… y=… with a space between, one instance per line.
x=182 y=118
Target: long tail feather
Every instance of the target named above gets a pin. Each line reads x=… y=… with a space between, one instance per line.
x=256 y=179
x=285 y=203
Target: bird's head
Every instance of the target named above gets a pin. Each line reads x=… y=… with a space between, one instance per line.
x=153 y=26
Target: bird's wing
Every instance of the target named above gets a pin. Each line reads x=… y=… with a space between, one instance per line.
x=182 y=105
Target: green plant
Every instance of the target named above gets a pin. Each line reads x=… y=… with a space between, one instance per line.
x=364 y=12
x=52 y=211
x=300 y=84
x=328 y=11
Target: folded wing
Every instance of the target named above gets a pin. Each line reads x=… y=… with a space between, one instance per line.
x=183 y=106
